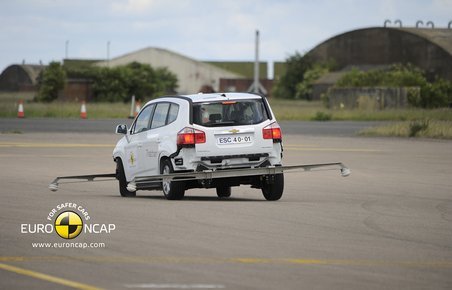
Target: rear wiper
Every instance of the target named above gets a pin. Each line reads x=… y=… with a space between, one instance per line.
x=218 y=124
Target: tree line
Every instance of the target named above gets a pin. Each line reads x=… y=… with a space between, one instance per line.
x=109 y=84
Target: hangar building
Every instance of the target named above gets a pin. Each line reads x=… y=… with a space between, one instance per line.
x=20 y=77
x=427 y=48
x=192 y=74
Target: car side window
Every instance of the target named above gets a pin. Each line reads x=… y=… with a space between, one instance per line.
x=142 y=122
x=159 y=118
x=172 y=114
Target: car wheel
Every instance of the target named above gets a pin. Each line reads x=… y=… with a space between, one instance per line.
x=120 y=175
x=273 y=190
x=172 y=190
x=223 y=191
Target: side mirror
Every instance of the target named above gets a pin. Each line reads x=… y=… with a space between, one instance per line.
x=121 y=129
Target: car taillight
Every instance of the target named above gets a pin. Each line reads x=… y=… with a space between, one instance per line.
x=190 y=136
x=272 y=131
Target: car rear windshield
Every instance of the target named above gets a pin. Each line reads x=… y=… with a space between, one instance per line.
x=229 y=113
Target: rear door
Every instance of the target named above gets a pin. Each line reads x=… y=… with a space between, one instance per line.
x=154 y=137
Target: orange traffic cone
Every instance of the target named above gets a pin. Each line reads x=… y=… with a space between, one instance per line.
x=20 y=111
x=83 y=114
x=137 y=108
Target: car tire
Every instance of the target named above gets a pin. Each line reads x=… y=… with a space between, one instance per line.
x=173 y=190
x=120 y=175
x=275 y=189
x=223 y=191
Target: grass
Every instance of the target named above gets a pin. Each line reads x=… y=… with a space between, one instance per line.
x=419 y=128
x=284 y=110
x=306 y=111
x=12 y=132
x=9 y=104
x=12 y=97
x=65 y=110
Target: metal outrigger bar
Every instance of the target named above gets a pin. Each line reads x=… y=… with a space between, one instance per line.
x=140 y=182
x=54 y=184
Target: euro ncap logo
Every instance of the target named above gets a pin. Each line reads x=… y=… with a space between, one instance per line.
x=68 y=225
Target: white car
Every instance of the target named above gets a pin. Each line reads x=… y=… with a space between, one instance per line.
x=193 y=133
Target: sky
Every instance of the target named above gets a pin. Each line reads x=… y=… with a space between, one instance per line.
x=34 y=31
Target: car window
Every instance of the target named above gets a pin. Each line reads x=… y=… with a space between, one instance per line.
x=160 y=114
x=229 y=113
x=142 y=122
x=172 y=114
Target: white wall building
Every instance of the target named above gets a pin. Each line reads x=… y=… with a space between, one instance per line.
x=191 y=74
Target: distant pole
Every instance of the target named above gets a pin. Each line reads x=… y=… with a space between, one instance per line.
x=132 y=108
x=66 y=49
x=256 y=65
x=108 y=53
x=256 y=86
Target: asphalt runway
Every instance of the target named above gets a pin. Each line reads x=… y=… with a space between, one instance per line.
x=39 y=125
x=387 y=226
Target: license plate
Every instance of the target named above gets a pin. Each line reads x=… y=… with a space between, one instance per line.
x=241 y=139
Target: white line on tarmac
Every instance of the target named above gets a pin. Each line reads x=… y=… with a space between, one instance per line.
x=174 y=286
x=52 y=145
x=48 y=278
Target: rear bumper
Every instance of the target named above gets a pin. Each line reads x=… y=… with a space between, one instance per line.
x=187 y=159
x=219 y=159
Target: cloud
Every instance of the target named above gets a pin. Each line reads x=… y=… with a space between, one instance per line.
x=201 y=29
x=135 y=6
x=152 y=8
x=442 y=8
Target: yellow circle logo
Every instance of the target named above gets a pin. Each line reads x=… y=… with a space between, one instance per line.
x=68 y=225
